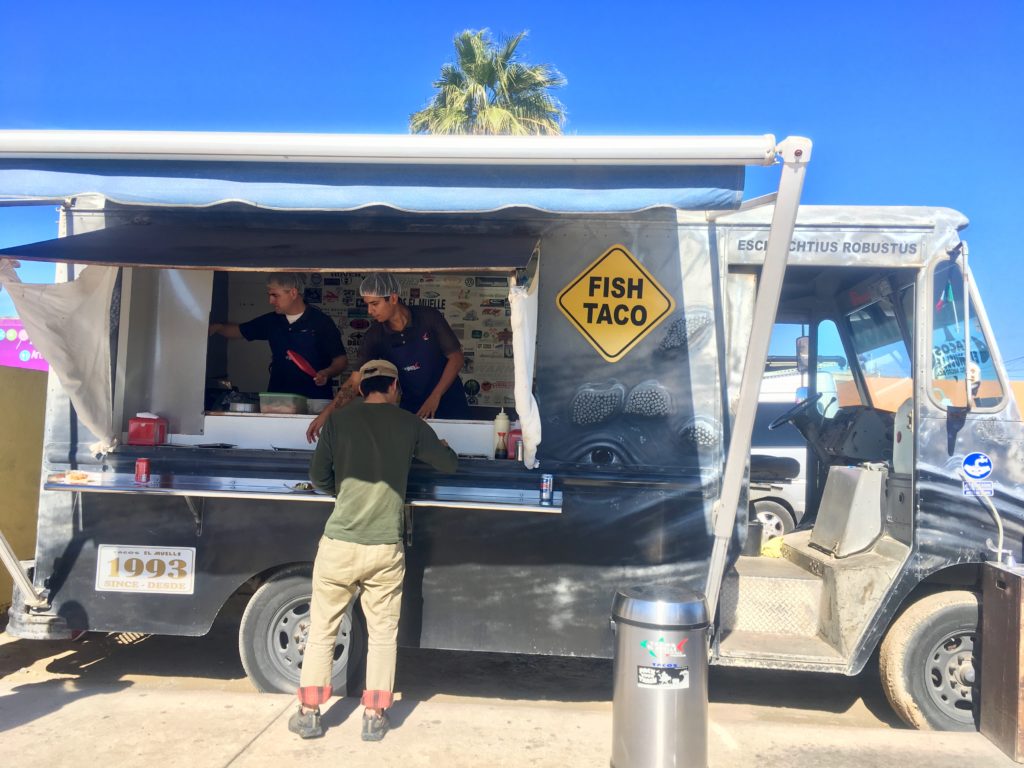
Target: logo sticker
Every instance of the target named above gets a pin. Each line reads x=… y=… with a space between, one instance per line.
x=147 y=569
x=660 y=649
x=977 y=468
x=654 y=677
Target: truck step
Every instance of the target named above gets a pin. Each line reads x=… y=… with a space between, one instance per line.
x=771 y=596
x=774 y=651
x=853 y=586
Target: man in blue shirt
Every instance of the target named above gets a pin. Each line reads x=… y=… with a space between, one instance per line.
x=293 y=326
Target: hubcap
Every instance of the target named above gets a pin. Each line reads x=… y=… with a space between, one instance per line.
x=289 y=632
x=949 y=674
x=771 y=525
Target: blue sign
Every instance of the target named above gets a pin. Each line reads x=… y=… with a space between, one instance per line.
x=977 y=466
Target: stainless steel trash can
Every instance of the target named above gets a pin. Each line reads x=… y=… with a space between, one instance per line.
x=660 y=698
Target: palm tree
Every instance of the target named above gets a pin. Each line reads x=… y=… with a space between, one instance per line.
x=489 y=90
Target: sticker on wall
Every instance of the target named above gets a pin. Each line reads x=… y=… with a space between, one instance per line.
x=615 y=303
x=977 y=468
x=147 y=569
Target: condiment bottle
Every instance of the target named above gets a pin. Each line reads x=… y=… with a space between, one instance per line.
x=500 y=434
x=514 y=435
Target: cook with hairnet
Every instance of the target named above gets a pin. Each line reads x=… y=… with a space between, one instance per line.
x=420 y=344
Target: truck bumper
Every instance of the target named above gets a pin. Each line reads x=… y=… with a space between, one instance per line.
x=30 y=623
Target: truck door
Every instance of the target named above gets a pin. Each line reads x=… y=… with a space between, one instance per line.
x=968 y=427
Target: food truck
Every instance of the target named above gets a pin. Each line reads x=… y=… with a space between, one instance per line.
x=616 y=295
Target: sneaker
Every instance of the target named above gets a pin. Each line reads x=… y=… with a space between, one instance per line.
x=374 y=727
x=306 y=724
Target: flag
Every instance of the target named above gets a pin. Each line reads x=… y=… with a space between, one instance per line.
x=946 y=297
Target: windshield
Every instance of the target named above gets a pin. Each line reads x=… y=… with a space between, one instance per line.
x=882 y=351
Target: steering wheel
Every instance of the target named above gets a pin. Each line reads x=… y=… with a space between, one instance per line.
x=795 y=411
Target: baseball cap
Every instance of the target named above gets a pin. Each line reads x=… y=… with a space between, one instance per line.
x=378 y=368
x=381 y=284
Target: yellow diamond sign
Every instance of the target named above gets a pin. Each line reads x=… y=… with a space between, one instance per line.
x=615 y=302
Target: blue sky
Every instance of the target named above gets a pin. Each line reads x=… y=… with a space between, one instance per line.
x=908 y=103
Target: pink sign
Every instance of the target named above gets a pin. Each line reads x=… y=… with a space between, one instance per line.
x=16 y=350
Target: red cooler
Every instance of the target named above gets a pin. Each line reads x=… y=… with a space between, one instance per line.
x=144 y=430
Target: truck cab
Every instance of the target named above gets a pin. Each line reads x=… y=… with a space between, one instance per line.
x=901 y=443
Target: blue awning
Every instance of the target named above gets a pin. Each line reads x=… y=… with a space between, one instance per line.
x=436 y=188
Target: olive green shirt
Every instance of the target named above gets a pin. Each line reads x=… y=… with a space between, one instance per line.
x=363 y=458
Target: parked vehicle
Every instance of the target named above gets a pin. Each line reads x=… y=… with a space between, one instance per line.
x=656 y=296
x=779 y=456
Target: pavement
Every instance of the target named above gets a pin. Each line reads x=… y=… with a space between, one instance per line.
x=129 y=700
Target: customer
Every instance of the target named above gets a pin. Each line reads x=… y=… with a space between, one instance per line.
x=363 y=457
x=293 y=326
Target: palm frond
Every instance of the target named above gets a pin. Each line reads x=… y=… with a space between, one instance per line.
x=488 y=90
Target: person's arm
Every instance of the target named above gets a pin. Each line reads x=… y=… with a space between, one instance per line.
x=451 y=371
x=348 y=392
x=227 y=330
x=434 y=451
x=338 y=364
x=321 y=467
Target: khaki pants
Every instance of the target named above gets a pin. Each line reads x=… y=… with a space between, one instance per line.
x=340 y=570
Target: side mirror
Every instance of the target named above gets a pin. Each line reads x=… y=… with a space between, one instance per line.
x=803 y=353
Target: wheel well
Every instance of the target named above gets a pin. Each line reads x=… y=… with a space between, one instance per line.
x=257 y=580
x=960 y=576
x=777 y=499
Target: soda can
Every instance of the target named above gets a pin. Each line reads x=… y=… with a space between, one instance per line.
x=547 y=488
x=142 y=470
x=520 y=451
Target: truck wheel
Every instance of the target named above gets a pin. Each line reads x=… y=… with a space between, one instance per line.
x=927 y=662
x=273 y=632
x=775 y=519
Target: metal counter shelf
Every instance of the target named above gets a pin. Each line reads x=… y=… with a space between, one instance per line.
x=191 y=486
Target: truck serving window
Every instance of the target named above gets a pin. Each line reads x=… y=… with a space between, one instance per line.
x=949 y=366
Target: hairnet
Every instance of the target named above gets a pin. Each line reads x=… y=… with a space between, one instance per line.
x=379 y=284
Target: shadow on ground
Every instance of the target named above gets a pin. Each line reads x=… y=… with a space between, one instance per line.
x=212 y=661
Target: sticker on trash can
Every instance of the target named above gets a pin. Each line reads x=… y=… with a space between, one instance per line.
x=663 y=677
x=660 y=649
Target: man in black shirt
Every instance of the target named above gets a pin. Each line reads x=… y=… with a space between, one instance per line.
x=294 y=327
x=419 y=342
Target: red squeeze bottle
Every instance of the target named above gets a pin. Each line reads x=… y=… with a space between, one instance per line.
x=515 y=434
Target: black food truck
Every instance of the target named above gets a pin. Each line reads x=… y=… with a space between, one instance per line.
x=616 y=296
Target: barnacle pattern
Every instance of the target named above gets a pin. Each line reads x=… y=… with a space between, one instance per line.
x=595 y=403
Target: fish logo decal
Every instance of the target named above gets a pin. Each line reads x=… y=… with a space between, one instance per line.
x=977 y=465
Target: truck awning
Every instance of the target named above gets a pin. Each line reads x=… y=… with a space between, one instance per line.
x=416 y=188
x=183 y=247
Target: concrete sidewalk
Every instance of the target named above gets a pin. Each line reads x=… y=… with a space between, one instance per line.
x=62 y=723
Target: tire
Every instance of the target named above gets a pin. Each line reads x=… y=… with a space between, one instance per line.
x=927 y=662
x=775 y=518
x=272 y=637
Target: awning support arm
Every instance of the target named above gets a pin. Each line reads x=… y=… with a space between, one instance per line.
x=795 y=153
x=31 y=597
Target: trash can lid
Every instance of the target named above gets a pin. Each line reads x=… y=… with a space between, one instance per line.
x=662 y=607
